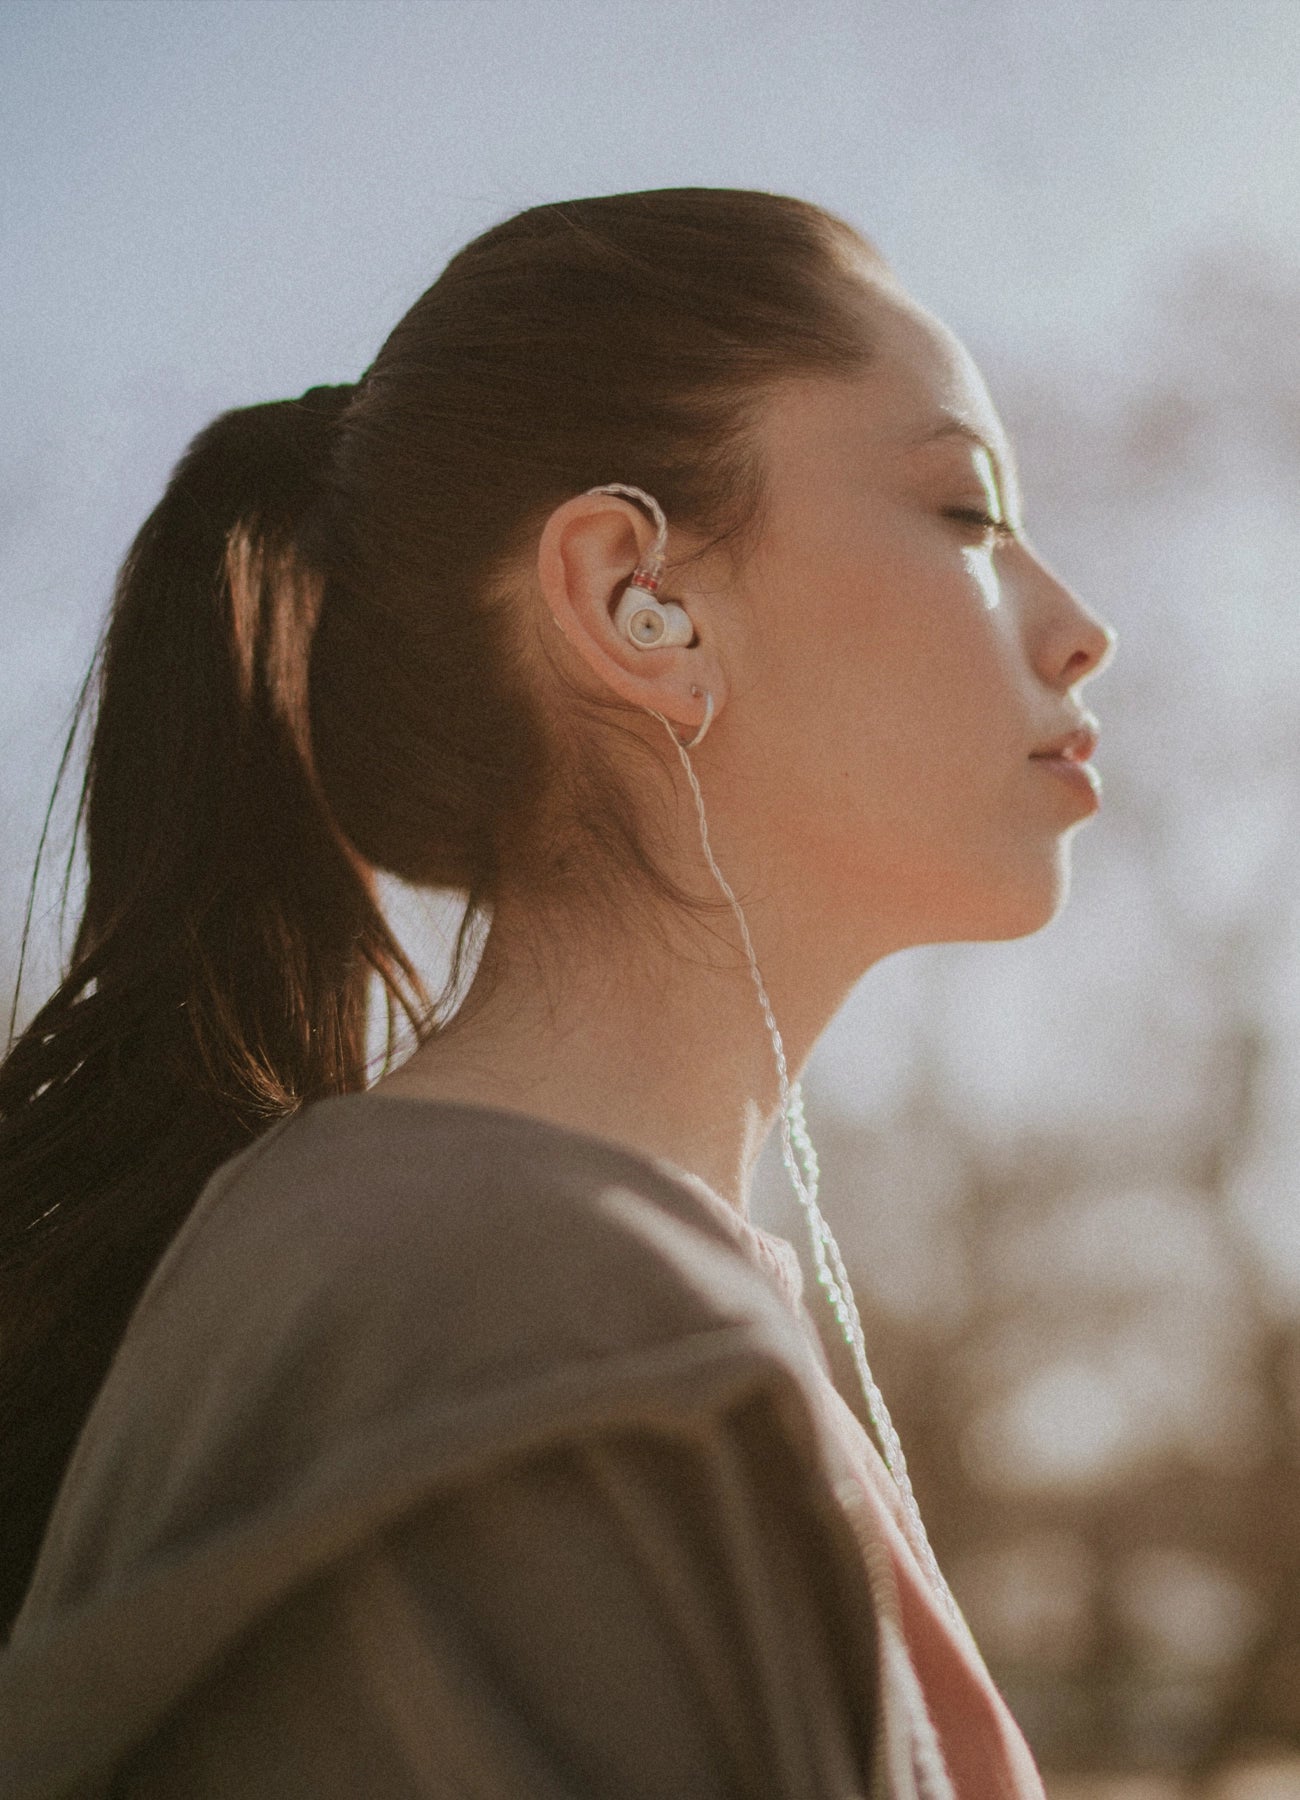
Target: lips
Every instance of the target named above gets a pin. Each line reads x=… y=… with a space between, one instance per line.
x=1072 y=746
x=1065 y=758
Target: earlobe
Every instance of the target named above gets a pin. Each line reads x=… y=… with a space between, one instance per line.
x=705 y=723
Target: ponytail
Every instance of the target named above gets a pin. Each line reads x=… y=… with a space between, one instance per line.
x=221 y=968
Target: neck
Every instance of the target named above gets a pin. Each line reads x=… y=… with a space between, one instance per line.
x=665 y=1051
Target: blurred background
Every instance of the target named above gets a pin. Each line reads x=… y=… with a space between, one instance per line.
x=1062 y=1170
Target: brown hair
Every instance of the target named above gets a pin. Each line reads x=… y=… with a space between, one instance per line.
x=312 y=671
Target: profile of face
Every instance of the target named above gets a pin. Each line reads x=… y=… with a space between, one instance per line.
x=886 y=664
x=903 y=650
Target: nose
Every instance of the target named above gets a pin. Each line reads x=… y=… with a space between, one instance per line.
x=1073 y=643
x=1096 y=647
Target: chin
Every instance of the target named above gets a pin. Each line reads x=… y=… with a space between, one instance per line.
x=998 y=909
x=975 y=902
x=1036 y=901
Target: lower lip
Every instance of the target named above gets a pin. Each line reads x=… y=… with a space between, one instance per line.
x=1082 y=777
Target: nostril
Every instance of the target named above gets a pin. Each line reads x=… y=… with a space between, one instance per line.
x=1107 y=639
x=1092 y=661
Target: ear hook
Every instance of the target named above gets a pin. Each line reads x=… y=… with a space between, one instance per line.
x=649 y=571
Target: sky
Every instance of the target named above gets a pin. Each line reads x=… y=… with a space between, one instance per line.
x=243 y=192
x=1024 y=162
x=212 y=202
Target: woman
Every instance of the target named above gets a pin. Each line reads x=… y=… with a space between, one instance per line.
x=463 y=1436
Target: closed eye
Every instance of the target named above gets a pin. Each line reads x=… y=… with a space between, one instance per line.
x=980 y=520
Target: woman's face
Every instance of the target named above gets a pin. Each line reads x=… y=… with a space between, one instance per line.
x=902 y=652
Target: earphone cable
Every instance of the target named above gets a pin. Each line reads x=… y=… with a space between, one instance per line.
x=834 y=1281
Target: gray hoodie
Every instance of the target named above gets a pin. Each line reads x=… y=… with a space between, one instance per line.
x=450 y=1452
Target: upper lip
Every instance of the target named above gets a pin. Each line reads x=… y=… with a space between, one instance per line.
x=1076 y=745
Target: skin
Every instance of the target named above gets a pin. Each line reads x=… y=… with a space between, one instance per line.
x=881 y=672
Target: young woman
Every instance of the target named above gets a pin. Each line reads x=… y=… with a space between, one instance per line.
x=462 y=1436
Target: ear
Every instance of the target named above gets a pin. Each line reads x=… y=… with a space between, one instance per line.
x=589 y=547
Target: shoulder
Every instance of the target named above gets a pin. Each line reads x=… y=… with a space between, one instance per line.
x=473 y=1230
x=382 y=1295
x=382 y=1319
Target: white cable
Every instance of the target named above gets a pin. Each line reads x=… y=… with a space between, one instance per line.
x=836 y=1283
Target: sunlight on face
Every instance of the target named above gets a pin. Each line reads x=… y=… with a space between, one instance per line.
x=979 y=557
x=909 y=650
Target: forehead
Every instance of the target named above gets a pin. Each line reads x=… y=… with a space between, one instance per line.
x=920 y=379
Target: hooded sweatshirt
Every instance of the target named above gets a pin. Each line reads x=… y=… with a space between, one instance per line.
x=452 y=1452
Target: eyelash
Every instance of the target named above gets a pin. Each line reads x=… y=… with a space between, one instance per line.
x=970 y=515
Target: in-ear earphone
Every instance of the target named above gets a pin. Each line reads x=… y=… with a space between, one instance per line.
x=644 y=619
x=650 y=623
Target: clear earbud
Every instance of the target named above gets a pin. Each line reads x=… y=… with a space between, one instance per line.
x=650 y=623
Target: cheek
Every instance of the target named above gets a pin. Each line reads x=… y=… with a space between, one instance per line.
x=891 y=685
x=917 y=665
x=983 y=576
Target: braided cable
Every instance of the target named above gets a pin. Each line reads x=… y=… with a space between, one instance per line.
x=834 y=1280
